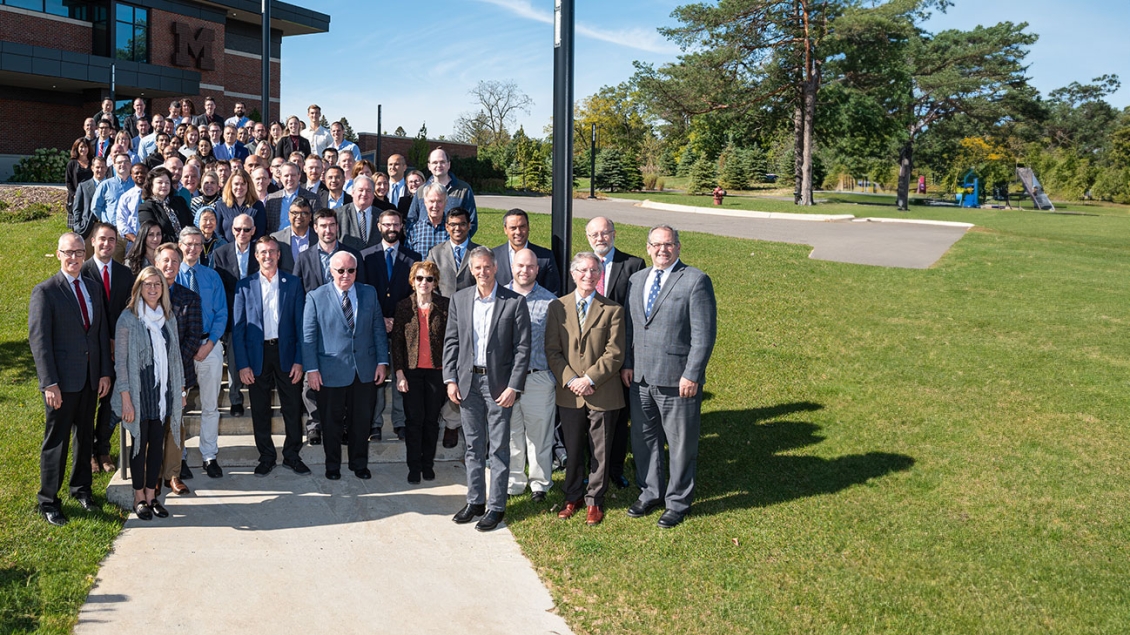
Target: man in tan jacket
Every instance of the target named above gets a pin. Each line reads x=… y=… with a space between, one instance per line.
x=585 y=335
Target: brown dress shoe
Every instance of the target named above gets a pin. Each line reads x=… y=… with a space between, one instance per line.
x=570 y=508
x=594 y=515
x=107 y=464
x=450 y=437
x=95 y=467
x=178 y=487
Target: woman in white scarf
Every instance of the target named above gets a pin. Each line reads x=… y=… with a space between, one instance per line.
x=148 y=365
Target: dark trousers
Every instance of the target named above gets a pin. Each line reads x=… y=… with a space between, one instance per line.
x=274 y=376
x=621 y=438
x=74 y=416
x=426 y=395
x=235 y=387
x=145 y=462
x=104 y=425
x=577 y=424
x=359 y=398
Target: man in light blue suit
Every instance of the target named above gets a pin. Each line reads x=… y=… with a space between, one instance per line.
x=345 y=350
x=267 y=338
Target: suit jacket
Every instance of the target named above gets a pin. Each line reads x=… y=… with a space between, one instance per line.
x=226 y=263
x=389 y=293
x=597 y=351
x=677 y=339
x=548 y=276
x=275 y=210
x=247 y=332
x=508 y=341
x=121 y=284
x=308 y=267
x=284 y=147
x=323 y=197
x=238 y=151
x=82 y=211
x=151 y=210
x=225 y=216
x=350 y=231
x=328 y=345
x=623 y=266
x=284 y=236
x=404 y=342
x=66 y=355
x=451 y=278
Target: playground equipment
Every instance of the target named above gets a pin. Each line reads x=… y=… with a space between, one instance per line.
x=1033 y=188
x=969 y=194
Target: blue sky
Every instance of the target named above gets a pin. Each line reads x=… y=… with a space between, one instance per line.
x=420 y=59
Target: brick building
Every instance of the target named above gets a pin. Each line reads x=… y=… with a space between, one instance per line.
x=391 y=144
x=56 y=58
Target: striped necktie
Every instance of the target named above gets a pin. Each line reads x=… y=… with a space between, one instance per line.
x=347 y=308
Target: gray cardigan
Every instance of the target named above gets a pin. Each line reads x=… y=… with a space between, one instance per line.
x=132 y=352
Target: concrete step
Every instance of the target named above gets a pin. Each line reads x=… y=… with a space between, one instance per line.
x=243 y=425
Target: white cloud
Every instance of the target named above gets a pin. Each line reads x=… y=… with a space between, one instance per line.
x=641 y=39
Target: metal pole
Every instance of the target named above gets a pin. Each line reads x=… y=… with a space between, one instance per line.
x=114 y=84
x=563 y=135
x=265 y=106
x=592 y=164
x=378 y=137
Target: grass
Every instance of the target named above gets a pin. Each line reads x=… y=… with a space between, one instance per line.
x=883 y=450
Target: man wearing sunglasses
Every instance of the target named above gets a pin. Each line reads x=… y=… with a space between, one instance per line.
x=234 y=262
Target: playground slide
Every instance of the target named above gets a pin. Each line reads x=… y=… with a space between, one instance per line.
x=1034 y=189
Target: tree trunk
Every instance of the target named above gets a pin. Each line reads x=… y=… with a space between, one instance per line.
x=806 y=162
x=906 y=166
x=798 y=149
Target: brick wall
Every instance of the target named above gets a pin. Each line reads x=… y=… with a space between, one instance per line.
x=391 y=144
x=56 y=125
x=43 y=31
x=161 y=45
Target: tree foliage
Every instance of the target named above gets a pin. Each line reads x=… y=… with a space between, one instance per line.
x=499 y=103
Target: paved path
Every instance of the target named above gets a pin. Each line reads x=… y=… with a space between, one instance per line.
x=291 y=554
x=914 y=246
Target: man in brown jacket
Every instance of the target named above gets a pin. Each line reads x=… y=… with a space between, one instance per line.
x=585 y=335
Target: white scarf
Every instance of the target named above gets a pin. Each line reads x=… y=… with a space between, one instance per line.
x=154 y=320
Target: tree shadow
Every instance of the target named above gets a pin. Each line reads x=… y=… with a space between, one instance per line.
x=19 y=600
x=740 y=460
x=17 y=366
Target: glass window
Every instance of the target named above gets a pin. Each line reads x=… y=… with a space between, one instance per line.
x=76 y=9
x=132 y=40
x=33 y=5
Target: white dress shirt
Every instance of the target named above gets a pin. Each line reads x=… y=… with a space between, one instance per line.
x=480 y=324
x=269 y=293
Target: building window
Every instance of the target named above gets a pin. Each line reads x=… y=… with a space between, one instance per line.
x=131 y=33
x=65 y=8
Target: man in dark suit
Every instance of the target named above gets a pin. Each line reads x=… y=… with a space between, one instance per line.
x=486 y=353
x=617 y=268
x=516 y=224
x=345 y=350
x=82 y=211
x=278 y=204
x=359 y=219
x=234 y=262
x=672 y=324
x=70 y=342
x=333 y=194
x=386 y=268
x=298 y=237
x=313 y=265
x=116 y=282
x=267 y=338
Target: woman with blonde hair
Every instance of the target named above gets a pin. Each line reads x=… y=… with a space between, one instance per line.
x=150 y=384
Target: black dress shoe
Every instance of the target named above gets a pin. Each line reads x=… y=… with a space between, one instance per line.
x=468 y=513
x=297 y=465
x=142 y=510
x=670 y=518
x=314 y=437
x=364 y=474
x=538 y=497
x=236 y=410
x=264 y=468
x=450 y=437
x=399 y=434
x=212 y=469
x=490 y=521
x=428 y=473
x=185 y=473
x=53 y=515
x=87 y=503
x=375 y=435
x=414 y=477
x=158 y=509
x=639 y=509
x=333 y=475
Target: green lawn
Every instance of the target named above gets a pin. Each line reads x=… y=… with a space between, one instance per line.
x=883 y=450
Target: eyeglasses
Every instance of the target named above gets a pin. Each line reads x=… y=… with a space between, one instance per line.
x=458 y=225
x=663 y=245
x=151 y=285
x=243 y=229
x=192 y=245
x=425 y=279
x=351 y=271
x=299 y=213
x=603 y=234
x=73 y=253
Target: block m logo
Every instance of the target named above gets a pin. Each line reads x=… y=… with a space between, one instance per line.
x=187 y=46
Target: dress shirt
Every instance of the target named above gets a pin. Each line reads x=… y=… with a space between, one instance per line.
x=455 y=255
x=422 y=236
x=319 y=139
x=242 y=257
x=537 y=301
x=213 y=299
x=396 y=190
x=146 y=145
x=577 y=299
x=606 y=265
x=299 y=244
x=269 y=292
x=347 y=145
x=348 y=189
x=238 y=122
x=284 y=209
x=651 y=279
x=126 y=213
x=334 y=203
x=480 y=324
x=104 y=272
x=85 y=299
x=314 y=187
x=365 y=220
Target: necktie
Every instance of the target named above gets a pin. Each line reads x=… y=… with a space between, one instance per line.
x=347 y=308
x=654 y=293
x=459 y=256
x=364 y=226
x=389 y=262
x=82 y=306
x=106 y=280
x=600 y=283
x=192 y=281
x=581 y=313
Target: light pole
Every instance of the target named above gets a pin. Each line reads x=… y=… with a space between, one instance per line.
x=562 y=133
x=592 y=164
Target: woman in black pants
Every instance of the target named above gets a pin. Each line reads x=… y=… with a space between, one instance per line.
x=150 y=382
x=417 y=355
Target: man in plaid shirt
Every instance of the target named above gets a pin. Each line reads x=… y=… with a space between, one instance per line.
x=429 y=231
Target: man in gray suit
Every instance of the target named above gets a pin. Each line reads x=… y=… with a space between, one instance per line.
x=358 y=220
x=298 y=237
x=82 y=212
x=486 y=353
x=672 y=324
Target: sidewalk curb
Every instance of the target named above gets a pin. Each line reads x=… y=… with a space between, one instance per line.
x=914 y=221
x=672 y=207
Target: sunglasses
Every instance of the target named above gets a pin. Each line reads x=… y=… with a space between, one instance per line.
x=243 y=229
x=425 y=279
x=345 y=271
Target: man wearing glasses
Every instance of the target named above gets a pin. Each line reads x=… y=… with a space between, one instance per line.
x=295 y=239
x=459 y=192
x=234 y=262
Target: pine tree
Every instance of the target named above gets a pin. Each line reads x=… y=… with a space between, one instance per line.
x=686 y=160
x=733 y=174
x=400 y=131
x=348 y=130
x=419 y=150
x=701 y=176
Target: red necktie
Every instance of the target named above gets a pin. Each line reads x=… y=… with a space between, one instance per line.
x=82 y=306
x=106 y=280
x=600 y=283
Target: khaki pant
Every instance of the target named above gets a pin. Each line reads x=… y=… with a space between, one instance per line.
x=171 y=466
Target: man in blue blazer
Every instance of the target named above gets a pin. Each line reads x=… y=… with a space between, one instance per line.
x=231 y=148
x=267 y=338
x=345 y=350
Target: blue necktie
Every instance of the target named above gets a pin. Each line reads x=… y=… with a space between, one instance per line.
x=459 y=256
x=192 y=281
x=654 y=293
x=389 y=262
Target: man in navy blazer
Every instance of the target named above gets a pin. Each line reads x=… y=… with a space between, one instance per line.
x=345 y=351
x=231 y=148
x=267 y=338
x=516 y=224
x=70 y=342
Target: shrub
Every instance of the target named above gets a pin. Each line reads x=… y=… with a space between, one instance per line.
x=480 y=173
x=659 y=183
x=30 y=212
x=649 y=180
x=617 y=172
x=701 y=178
x=47 y=165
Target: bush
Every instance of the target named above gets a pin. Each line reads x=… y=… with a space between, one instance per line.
x=33 y=211
x=480 y=173
x=702 y=177
x=659 y=183
x=617 y=172
x=649 y=180
x=47 y=165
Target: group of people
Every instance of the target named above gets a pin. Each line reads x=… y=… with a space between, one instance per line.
x=352 y=291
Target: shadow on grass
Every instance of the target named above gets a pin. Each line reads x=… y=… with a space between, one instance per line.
x=19 y=601
x=17 y=366
x=740 y=462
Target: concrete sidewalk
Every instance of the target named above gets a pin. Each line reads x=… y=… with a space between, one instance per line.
x=301 y=554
